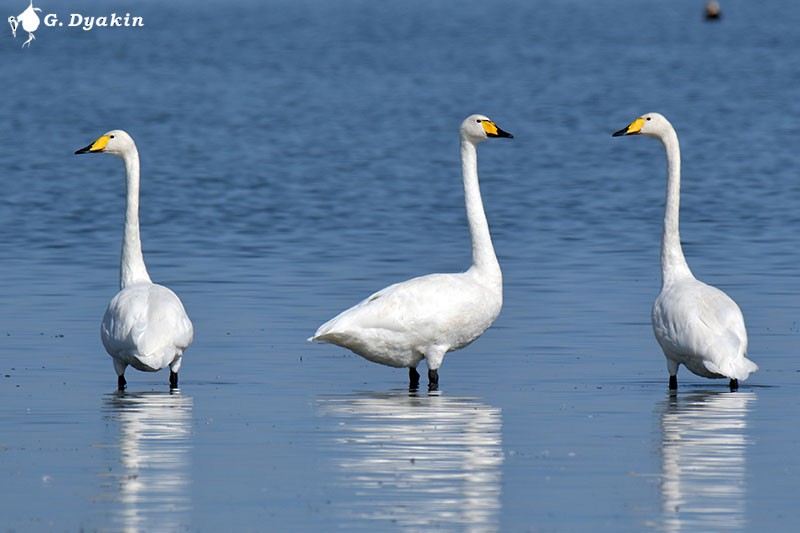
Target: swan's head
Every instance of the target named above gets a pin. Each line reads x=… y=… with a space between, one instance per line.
x=652 y=124
x=478 y=128
x=115 y=142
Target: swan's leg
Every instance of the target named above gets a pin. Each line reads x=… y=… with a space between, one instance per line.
x=174 y=367
x=119 y=367
x=434 y=355
x=433 y=379
x=734 y=385
x=413 y=378
x=672 y=368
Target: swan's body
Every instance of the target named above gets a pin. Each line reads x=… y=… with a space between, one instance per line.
x=145 y=325
x=427 y=317
x=697 y=325
x=422 y=317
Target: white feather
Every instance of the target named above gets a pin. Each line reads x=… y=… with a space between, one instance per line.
x=696 y=325
x=428 y=316
x=145 y=325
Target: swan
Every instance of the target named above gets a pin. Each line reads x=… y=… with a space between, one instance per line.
x=697 y=325
x=145 y=325
x=428 y=316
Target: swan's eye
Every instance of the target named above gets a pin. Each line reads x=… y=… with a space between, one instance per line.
x=111 y=136
x=479 y=121
x=648 y=118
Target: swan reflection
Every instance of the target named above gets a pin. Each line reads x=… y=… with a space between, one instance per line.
x=152 y=482
x=418 y=461
x=704 y=439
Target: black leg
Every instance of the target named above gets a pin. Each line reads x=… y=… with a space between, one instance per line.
x=673 y=383
x=173 y=380
x=433 y=379
x=121 y=383
x=413 y=379
x=734 y=385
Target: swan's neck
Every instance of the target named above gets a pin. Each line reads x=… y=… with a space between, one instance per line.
x=673 y=263
x=484 y=260
x=132 y=268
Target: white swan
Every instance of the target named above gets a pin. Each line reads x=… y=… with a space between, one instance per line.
x=697 y=325
x=145 y=325
x=427 y=317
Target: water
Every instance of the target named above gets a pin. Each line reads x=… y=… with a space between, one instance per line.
x=297 y=156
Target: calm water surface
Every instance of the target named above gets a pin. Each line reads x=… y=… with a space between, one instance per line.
x=297 y=156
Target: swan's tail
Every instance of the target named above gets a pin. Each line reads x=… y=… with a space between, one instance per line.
x=320 y=338
x=327 y=332
x=746 y=367
x=327 y=335
x=740 y=368
x=321 y=335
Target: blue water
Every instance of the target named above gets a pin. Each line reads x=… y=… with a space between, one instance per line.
x=299 y=155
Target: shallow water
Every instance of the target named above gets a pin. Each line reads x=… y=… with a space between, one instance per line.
x=297 y=156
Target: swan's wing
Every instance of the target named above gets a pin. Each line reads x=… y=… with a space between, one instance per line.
x=167 y=319
x=727 y=354
x=421 y=307
x=698 y=319
x=147 y=321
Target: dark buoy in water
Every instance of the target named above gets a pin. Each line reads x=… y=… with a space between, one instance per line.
x=713 y=11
